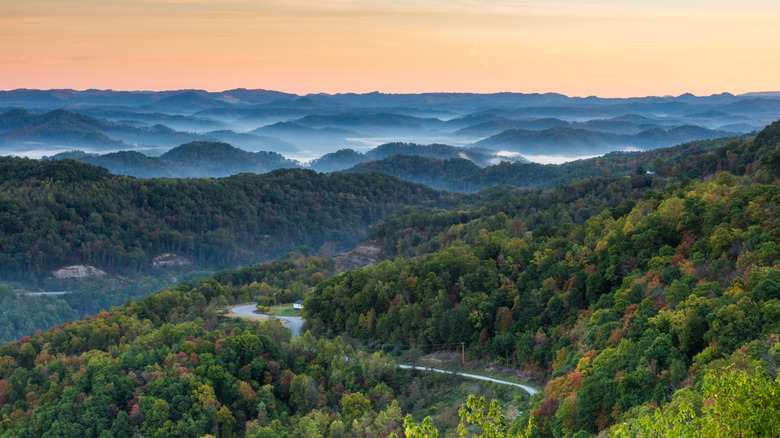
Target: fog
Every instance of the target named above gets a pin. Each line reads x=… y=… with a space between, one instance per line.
x=540 y=128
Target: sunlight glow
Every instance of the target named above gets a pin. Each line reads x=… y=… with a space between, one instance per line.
x=575 y=47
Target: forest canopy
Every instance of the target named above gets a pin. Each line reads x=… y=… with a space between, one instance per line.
x=644 y=305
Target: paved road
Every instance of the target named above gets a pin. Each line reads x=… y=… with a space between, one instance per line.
x=294 y=323
x=525 y=388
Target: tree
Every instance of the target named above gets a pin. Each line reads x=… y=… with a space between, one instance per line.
x=736 y=404
x=354 y=405
x=225 y=421
x=426 y=429
x=303 y=393
x=156 y=413
x=121 y=426
x=492 y=421
x=476 y=420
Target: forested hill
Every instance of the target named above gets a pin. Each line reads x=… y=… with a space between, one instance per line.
x=217 y=159
x=195 y=159
x=457 y=174
x=171 y=365
x=56 y=213
x=566 y=140
x=671 y=301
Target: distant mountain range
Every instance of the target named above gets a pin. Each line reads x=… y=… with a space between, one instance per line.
x=217 y=159
x=438 y=166
x=21 y=130
x=302 y=128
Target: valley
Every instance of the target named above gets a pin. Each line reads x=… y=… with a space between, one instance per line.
x=633 y=288
x=297 y=129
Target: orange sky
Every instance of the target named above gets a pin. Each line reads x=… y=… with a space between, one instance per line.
x=575 y=47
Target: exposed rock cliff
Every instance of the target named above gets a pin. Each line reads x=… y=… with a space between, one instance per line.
x=78 y=271
x=367 y=253
x=168 y=260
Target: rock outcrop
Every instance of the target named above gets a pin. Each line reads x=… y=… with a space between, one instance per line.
x=78 y=271
x=367 y=253
x=169 y=260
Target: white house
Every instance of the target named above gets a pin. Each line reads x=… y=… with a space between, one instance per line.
x=298 y=305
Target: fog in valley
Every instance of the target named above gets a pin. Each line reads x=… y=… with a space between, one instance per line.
x=301 y=131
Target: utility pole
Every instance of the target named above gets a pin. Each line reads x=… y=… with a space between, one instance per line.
x=463 y=353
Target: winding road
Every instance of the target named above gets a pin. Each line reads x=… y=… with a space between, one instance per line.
x=294 y=323
x=525 y=388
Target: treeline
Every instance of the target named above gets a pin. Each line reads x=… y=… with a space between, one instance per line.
x=217 y=159
x=190 y=160
x=63 y=212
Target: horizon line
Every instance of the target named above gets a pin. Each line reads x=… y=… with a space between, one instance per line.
x=185 y=90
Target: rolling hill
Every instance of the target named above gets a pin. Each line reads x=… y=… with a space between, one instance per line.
x=570 y=142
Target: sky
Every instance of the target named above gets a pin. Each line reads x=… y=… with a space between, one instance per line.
x=608 y=48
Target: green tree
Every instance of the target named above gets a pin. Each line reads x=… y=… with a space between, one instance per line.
x=303 y=393
x=737 y=404
x=354 y=405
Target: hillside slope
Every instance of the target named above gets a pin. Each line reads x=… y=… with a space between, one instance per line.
x=618 y=311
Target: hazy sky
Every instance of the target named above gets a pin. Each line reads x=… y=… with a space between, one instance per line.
x=575 y=47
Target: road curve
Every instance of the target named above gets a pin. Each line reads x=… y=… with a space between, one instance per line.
x=525 y=388
x=294 y=323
